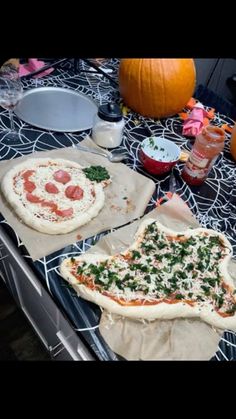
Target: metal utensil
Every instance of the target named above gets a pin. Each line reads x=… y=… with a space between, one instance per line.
x=172 y=183
x=144 y=122
x=113 y=157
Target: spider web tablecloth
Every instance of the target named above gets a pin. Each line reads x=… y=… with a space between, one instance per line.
x=213 y=203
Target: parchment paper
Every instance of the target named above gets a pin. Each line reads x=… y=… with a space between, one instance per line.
x=122 y=201
x=180 y=339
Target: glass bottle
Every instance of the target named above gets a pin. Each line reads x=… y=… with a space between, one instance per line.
x=108 y=126
x=208 y=145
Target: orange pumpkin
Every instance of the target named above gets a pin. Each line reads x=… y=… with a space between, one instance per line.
x=233 y=143
x=157 y=87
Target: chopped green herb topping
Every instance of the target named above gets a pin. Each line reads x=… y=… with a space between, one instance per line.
x=151 y=142
x=136 y=254
x=161 y=267
x=179 y=296
x=96 y=173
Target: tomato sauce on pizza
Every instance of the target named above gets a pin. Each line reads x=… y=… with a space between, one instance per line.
x=52 y=195
x=160 y=268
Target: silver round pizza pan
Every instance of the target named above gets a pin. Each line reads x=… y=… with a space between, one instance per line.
x=57 y=109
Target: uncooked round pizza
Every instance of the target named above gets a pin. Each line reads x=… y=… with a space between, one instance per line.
x=162 y=275
x=54 y=196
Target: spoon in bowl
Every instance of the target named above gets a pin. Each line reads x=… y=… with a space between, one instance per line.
x=149 y=130
x=113 y=157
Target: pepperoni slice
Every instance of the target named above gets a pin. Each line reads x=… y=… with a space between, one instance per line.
x=33 y=198
x=49 y=204
x=36 y=200
x=62 y=176
x=64 y=213
x=27 y=174
x=74 y=192
x=54 y=208
x=51 y=188
x=29 y=186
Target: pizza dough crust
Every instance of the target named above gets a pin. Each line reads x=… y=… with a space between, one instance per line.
x=42 y=225
x=162 y=310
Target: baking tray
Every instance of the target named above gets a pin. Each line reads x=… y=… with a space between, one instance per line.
x=57 y=109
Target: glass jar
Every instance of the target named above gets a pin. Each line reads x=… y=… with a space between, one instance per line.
x=208 y=145
x=108 y=126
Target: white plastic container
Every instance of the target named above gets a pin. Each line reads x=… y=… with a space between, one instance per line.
x=108 y=126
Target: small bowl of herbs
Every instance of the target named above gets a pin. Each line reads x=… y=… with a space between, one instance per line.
x=159 y=155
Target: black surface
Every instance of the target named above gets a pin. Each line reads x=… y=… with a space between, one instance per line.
x=223 y=106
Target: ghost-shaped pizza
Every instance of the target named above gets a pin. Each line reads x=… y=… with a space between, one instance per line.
x=53 y=196
x=162 y=275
